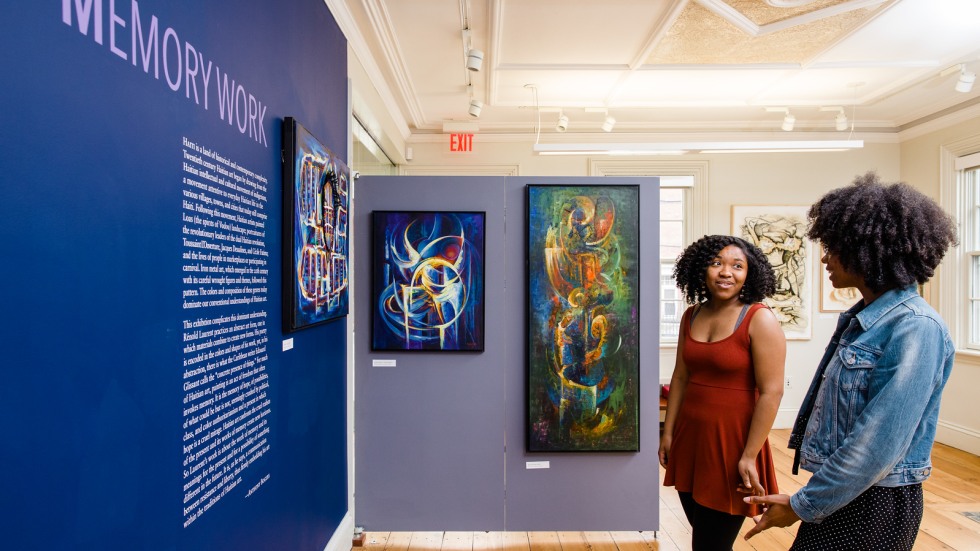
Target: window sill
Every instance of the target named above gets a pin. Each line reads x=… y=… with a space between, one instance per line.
x=969 y=357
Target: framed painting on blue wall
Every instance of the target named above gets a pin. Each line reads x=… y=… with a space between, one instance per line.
x=428 y=281
x=583 y=303
x=315 y=230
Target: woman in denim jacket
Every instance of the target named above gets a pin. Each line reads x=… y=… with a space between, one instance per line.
x=867 y=424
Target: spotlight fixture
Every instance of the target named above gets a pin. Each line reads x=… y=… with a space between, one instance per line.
x=789 y=121
x=966 y=80
x=840 y=121
x=474 y=59
x=608 y=124
x=965 y=83
x=562 y=122
x=476 y=106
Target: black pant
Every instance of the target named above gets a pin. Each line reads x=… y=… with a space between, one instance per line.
x=711 y=530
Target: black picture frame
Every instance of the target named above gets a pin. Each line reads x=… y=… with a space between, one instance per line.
x=315 y=230
x=434 y=260
x=582 y=269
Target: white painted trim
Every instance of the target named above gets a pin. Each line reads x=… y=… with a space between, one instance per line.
x=359 y=47
x=958 y=436
x=952 y=270
x=459 y=170
x=342 y=536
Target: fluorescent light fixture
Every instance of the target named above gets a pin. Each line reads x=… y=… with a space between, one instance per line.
x=680 y=148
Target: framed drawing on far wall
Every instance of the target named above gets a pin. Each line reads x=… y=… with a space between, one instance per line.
x=583 y=349
x=315 y=210
x=835 y=300
x=780 y=232
x=428 y=280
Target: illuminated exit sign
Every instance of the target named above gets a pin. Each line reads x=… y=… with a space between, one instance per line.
x=461 y=142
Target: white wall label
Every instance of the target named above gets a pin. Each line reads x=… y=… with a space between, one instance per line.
x=287 y=344
x=383 y=363
x=539 y=464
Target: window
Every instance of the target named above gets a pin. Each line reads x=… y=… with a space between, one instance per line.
x=968 y=175
x=959 y=275
x=683 y=191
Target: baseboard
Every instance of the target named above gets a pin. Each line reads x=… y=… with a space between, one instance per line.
x=785 y=418
x=958 y=436
x=342 y=536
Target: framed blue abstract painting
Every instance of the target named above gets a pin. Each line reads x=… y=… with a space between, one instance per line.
x=316 y=201
x=428 y=281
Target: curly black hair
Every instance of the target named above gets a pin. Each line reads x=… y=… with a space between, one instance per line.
x=890 y=234
x=692 y=266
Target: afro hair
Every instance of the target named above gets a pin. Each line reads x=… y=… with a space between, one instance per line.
x=692 y=266
x=890 y=234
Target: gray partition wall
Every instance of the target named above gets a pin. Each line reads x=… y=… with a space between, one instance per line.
x=439 y=438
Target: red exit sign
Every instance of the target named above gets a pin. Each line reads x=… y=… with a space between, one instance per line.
x=461 y=142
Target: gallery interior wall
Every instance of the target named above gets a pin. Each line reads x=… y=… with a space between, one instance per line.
x=119 y=131
x=440 y=437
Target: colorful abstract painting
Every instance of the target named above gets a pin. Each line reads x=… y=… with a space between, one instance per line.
x=428 y=281
x=315 y=200
x=583 y=318
x=780 y=232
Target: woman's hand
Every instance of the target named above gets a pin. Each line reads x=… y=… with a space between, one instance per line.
x=665 y=441
x=749 y=477
x=778 y=513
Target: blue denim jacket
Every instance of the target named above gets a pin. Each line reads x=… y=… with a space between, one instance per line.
x=874 y=417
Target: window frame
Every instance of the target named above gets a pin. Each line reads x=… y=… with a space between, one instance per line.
x=695 y=200
x=955 y=279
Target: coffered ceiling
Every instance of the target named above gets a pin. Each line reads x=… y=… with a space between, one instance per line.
x=666 y=66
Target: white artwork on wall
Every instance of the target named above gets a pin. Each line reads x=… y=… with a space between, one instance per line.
x=780 y=232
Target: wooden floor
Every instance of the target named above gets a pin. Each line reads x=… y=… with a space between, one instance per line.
x=953 y=489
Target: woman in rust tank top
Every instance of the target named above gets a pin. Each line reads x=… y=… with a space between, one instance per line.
x=725 y=390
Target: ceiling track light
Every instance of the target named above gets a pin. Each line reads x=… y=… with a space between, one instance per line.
x=562 y=122
x=474 y=59
x=840 y=120
x=608 y=124
x=966 y=80
x=789 y=121
x=476 y=107
x=963 y=84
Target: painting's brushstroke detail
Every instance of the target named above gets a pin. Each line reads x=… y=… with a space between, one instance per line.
x=428 y=281
x=583 y=318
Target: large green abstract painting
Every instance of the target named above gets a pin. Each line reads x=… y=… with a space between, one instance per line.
x=583 y=318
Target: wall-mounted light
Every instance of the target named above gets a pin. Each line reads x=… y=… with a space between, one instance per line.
x=562 y=122
x=474 y=59
x=476 y=106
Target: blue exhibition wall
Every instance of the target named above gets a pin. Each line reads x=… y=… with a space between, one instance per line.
x=146 y=401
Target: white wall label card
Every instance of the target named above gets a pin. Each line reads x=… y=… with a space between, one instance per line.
x=383 y=363
x=539 y=464
x=287 y=344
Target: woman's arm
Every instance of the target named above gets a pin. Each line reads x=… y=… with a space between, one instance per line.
x=768 y=347
x=678 y=386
